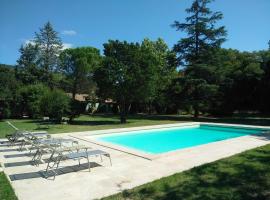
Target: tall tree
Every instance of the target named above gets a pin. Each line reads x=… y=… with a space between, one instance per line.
x=195 y=50
x=78 y=65
x=165 y=71
x=50 y=46
x=128 y=74
x=202 y=35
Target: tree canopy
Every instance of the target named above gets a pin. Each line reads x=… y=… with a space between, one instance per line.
x=79 y=65
x=49 y=46
x=196 y=76
x=131 y=72
x=196 y=51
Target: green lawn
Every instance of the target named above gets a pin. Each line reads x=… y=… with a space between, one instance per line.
x=97 y=122
x=83 y=123
x=6 y=191
x=244 y=176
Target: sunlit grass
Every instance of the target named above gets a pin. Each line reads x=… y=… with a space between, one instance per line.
x=83 y=123
x=6 y=191
x=240 y=177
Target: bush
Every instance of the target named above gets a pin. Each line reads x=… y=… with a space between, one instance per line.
x=29 y=98
x=76 y=108
x=5 y=113
x=55 y=104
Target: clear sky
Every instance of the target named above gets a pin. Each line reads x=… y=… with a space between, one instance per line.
x=93 y=22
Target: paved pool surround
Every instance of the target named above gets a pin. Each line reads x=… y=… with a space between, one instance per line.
x=129 y=169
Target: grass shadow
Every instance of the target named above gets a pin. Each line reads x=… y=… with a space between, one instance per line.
x=242 y=177
x=94 y=123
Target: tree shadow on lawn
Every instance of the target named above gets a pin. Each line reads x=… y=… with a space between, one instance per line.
x=94 y=123
x=243 y=177
x=241 y=119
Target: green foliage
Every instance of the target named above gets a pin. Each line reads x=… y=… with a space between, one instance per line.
x=202 y=35
x=131 y=72
x=119 y=76
x=49 y=46
x=263 y=97
x=240 y=77
x=78 y=65
x=55 y=104
x=30 y=97
x=27 y=70
x=195 y=92
x=196 y=51
x=8 y=90
x=141 y=77
x=8 y=83
x=164 y=67
x=39 y=58
x=76 y=108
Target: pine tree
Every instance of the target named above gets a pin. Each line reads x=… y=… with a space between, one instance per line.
x=50 y=46
x=202 y=35
x=195 y=52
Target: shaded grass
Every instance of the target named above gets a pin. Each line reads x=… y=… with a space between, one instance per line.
x=5 y=129
x=83 y=123
x=98 y=122
x=244 y=176
x=6 y=191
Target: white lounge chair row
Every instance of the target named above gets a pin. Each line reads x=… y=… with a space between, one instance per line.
x=58 y=149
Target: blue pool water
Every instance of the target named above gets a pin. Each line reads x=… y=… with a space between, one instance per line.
x=163 y=140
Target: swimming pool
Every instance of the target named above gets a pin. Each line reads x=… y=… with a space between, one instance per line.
x=156 y=141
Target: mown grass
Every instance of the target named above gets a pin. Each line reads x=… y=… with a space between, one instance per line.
x=244 y=176
x=83 y=123
x=6 y=191
x=98 y=122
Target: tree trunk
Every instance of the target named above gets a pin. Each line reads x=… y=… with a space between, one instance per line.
x=123 y=118
x=149 y=108
x=74 y=90
x=71 y=118
x=196 y=112
x=122 y=106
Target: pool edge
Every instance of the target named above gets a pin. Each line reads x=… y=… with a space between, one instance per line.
x=92 y=138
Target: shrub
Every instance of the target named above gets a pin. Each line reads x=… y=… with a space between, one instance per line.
x=30 y=96
x=5 y=113
x=55 y=104
x=76 y=108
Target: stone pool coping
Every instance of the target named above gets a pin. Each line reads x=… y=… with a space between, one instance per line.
x=92 y=138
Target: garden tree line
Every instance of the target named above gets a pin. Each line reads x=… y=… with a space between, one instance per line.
x=196 y=76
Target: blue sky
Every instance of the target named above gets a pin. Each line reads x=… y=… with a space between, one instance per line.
x=93 y=22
